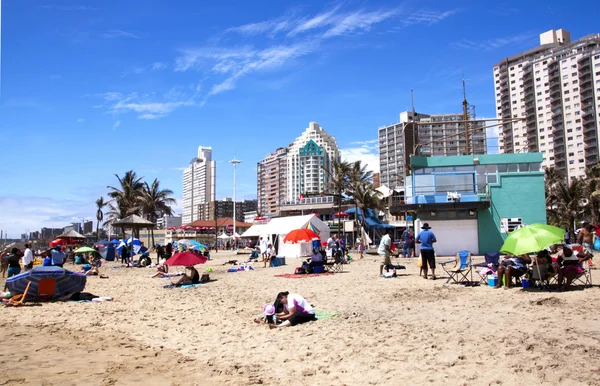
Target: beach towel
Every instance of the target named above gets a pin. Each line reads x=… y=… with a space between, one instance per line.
x=322 y=314
x=295 y=276
x=183 y=286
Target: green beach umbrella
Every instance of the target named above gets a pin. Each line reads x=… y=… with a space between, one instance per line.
x=532 y=238
x=85 y=250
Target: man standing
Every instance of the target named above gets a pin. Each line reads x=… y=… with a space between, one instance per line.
x=263 y=244
x=28 y=258
x=58 y=256
x=385 y=250
x=405 y=243
x=426 y=238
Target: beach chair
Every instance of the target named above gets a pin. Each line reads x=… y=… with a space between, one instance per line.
x=336 y=265
x=46 y=289
x=462 y=267
x=492 y=261
x=18 y=300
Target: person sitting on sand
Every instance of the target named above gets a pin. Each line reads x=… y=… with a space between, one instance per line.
x=512 y=267
x=296 y=310
x=191 y=277
x=269 y=256
x=316 y=260
x=569 y=265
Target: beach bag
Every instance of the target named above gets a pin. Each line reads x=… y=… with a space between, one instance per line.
x=597 y=244
x=205 y=278
x=300 y=271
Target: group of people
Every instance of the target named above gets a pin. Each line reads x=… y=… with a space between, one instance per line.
x=267 y=251
x=426 y=238
x=288 y=310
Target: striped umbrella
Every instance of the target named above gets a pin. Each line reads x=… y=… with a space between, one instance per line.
x=67 y=282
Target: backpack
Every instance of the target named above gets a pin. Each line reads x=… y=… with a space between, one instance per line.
x=300 y=271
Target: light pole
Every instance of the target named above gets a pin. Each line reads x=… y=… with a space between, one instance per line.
x=234 y=162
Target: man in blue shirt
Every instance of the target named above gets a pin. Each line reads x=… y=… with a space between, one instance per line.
x=426 y=238
x=58 y=256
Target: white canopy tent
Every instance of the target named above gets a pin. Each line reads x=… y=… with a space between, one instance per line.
x=223 y=236
x=276 y=230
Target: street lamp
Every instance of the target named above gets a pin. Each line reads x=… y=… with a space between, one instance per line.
x=234 y=162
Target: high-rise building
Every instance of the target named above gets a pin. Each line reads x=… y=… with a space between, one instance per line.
x=272 y=182
x=198 y=184
x=224 y=209
x=554 y=89
x=51 y=233
x=88 y=227
x=310 y=162
x=431 y=135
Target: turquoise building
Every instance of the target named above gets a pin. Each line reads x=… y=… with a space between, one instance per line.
x=473 y=201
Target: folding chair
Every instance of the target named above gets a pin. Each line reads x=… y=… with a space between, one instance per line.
x=585 y=277
x=462 y=267
x=336 y=265
x=492 y=261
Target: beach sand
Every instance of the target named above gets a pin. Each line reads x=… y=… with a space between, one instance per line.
x=407 y=331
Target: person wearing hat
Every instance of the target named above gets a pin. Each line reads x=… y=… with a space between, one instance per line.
x=426 y=238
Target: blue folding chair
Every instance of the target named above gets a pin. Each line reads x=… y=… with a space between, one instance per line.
x=492 y=260
x=461 y=269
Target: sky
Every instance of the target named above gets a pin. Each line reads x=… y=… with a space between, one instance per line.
x=94 y=88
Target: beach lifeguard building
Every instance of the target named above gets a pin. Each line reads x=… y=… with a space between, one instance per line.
x=473 y=201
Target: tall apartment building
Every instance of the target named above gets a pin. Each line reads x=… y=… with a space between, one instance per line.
x=198 y=184
x=272 y=182
x=432 y=135
x=310 y=162
x=555 y=90
x=224 y=209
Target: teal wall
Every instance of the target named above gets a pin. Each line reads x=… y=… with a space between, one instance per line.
x=515 y=195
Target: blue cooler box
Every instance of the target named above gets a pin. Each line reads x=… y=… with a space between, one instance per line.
x=492 y=280
x=278 y=261
x=319 y=269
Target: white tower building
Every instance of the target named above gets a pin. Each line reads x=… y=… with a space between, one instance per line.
x=310 y=162
x=198 y=184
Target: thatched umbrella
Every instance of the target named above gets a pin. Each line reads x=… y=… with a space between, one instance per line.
x=134 y=222
x=71 y=237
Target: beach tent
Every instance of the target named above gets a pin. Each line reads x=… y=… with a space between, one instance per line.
x=277 y=228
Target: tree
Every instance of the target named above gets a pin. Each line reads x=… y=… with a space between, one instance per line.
x=367 y=197
x=359 y=182
x=100 y=204
x=565 y=204
x=156 y=201
x=126 y=199
x=340 y=183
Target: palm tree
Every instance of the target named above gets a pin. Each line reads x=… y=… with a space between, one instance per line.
x=359 y=179
x=591 y=194
x=367 y=197
x=339 y=183
x=156 y=202
x=100 y=203
x=127 y=198
x=565 y=203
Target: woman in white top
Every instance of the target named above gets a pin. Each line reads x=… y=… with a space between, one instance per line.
x=269 y=256
x=296 y=310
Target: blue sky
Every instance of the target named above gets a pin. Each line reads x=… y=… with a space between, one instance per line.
x=93 y=88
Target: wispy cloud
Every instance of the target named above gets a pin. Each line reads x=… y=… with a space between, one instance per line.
x=148 y=105
x=80 y=120
x=492 y=44
x=365 y=151
x=117 y=33
x=69 y=7
x=157 y=66
x=116 y=124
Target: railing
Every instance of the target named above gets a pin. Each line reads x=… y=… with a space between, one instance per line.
x=309 y=201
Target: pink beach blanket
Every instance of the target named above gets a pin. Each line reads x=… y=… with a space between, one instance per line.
x=295 y=276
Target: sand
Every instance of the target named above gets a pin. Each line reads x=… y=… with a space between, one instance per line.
x=408 y=331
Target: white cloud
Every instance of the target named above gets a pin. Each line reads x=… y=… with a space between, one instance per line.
x=21 y=213
x=492 y=44
x=148 y=106
x=116 y=124
x=117 y=33
x=156 y=66
x=365 y=151
x=80 y=120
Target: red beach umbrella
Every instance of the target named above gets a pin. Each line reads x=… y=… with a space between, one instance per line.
x=341 y=214
x=301 y=235
x=186 y=259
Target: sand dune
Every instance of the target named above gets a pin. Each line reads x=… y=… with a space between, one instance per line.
x=408 y=331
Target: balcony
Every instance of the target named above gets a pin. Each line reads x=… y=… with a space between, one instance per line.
x=587 y=113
